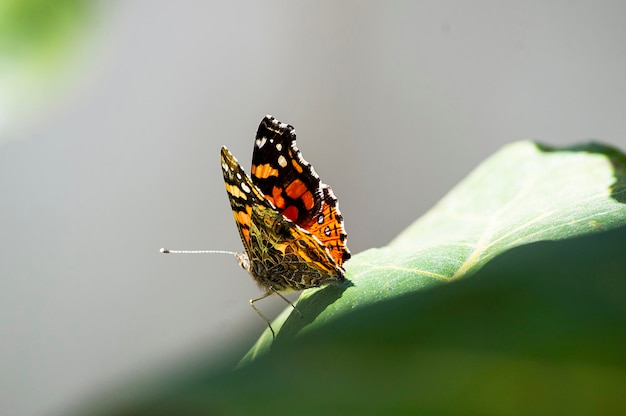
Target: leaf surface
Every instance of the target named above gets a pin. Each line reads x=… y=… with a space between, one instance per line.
x=524 y=193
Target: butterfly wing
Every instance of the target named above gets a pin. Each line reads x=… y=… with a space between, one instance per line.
x=294 y=188
x=243 y=196
x=281 y=173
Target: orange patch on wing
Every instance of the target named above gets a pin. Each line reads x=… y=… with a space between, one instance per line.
x=296 y=165
x=242 y=218
x=296 y=189
x=246 y=234
x=279 y=201
x=307 y=200
x=264 y=171
x=235 y=191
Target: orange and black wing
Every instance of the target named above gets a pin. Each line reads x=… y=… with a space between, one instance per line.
x=294 y=188
x=281 y=173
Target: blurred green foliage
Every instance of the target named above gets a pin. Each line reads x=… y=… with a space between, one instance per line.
x=37 y=37
x=38 y=27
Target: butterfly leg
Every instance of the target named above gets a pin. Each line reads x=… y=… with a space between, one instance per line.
x=266 y=294
x=292 y=305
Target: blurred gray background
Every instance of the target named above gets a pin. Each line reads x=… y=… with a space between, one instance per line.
x=393 y=103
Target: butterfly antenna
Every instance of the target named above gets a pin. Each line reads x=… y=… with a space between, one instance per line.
x=167 y=251
x=242 y=258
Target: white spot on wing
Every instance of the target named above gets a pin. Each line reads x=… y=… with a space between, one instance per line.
x=238 y=176
x=261 y=142
x=282 y=161
x=245 y=188
x=279 y=147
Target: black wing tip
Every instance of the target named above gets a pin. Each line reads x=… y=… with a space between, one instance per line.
x=271 y=123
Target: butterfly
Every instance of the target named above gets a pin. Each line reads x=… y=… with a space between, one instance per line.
x=288 y=220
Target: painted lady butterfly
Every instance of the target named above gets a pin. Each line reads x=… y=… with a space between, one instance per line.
x=288 y=220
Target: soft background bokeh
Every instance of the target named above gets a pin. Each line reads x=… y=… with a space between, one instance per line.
x=115 y=153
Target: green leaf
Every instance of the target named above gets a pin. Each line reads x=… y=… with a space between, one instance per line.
x=524 y=193
x=540 y=329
